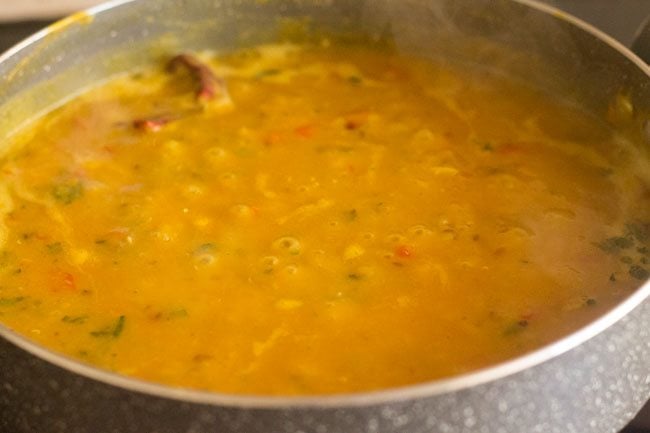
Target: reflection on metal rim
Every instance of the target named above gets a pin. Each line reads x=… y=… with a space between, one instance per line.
x=427 y=389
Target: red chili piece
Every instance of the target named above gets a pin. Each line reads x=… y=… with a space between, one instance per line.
x=210 y=86
x=153 y=124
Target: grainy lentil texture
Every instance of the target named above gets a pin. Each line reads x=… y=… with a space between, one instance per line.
x=338 y=220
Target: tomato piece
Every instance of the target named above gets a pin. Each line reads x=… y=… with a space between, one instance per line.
x=305 y=131
x=403 y=251
x=68 y=281
x=63 y=281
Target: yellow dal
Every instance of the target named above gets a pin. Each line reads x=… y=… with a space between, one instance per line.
x=353 y=220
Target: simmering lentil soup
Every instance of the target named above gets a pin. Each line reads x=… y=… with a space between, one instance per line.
x=300 y=220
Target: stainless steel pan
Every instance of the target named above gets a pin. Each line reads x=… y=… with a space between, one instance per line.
x=592 y=381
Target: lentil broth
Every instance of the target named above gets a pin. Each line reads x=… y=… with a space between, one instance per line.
x=312 y=220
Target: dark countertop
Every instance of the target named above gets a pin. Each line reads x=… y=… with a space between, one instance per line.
x=618 y=18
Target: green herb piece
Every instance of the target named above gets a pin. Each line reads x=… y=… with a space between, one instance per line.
x=484 y=145
x=590 y=302
x=354 y=277
x=627 y=260
x=612 y=278
x=111 y=331
x=487 y=147
x=76 y=320
x=207 y=247
x=177 y=314
x=639 y=272
x=355 y=80
x=615 y=244
x=119 y=326
x=171 y=314
x=516 y=327
x=640 y=231
x=54 y=248
x=66 y=193
x=642 y=250
x=9 y=302
x=351 y=214
x=267 y=73
x=5 y=258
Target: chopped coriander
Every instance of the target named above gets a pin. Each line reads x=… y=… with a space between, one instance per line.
x=54 y=248
x=355 y=80
x=119 y=326
x=66 y=193
x=639 y=272
x=8 y=302
x=112 y=331
x=351 y=214
x=177 y=314
x=640 y=231
x=205 y=248
x=171 y=314
x=487 y=147
x=74 y=319
x=267 y=73
x=615 y=244
x=516 y=327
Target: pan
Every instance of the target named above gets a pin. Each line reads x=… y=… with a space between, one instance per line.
x=593 y=380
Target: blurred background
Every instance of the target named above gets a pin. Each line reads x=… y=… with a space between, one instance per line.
x=619 y=18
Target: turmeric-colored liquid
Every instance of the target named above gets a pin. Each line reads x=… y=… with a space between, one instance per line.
x=342 y=220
